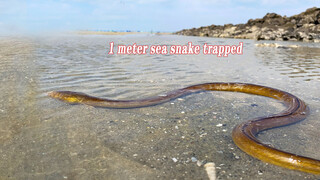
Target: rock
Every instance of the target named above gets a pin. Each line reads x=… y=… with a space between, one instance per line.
x=276 y=45
x=271 y=16
x=302 y=27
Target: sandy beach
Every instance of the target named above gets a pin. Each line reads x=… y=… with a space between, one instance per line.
x=42 y=138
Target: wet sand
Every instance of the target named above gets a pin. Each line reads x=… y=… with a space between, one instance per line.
x=41 y=138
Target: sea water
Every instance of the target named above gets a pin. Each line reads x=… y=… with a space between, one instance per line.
x=42 y=138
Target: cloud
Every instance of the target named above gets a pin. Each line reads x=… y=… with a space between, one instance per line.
x=167 y=15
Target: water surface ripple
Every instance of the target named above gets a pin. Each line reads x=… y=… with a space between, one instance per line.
x=42 y=138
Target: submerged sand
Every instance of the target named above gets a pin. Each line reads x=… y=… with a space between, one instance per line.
x=41 y=138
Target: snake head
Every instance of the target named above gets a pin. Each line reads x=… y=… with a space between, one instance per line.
x=68 y=96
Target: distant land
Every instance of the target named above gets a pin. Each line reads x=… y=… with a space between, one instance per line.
x=87 y=32
x=302 y=27
x=118 y=32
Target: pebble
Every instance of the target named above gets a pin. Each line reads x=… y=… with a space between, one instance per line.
x=199 y=163
x=194 y=159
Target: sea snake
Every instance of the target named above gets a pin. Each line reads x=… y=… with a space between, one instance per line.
x=244 y=134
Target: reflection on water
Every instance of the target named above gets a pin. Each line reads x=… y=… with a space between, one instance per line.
x=41 y=138
x=302 y=62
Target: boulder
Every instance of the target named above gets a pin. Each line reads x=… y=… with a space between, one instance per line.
x=302 y=27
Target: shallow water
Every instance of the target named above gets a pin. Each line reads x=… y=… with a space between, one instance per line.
x=42 y=138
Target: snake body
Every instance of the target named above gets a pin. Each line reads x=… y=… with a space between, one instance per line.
x=244 y=134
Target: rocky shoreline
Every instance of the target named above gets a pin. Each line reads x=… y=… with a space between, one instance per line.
x=302 y=27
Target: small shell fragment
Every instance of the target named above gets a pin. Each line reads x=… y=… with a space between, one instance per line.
x=219 y=125
x=174 y=159
x=211 y=170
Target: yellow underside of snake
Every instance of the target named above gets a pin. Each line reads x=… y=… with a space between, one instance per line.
x=244 y=134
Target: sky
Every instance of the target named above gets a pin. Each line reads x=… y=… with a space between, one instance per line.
x=34 y=16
